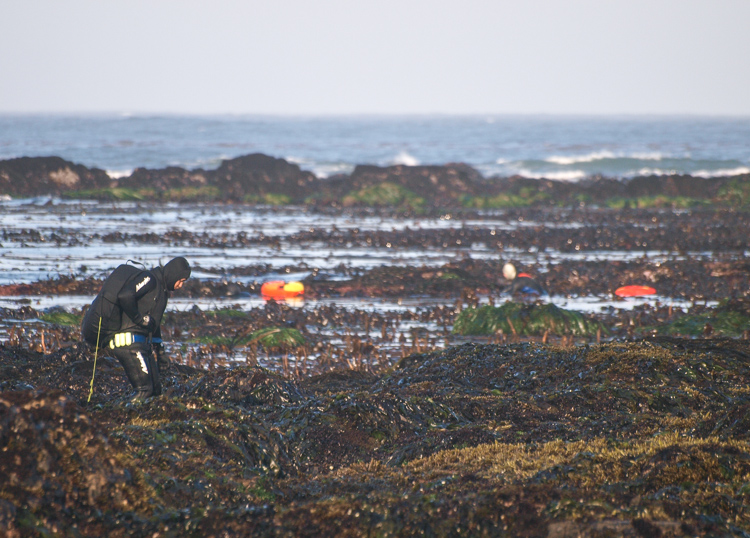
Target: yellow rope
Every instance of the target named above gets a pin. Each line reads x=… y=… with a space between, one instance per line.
x=91 y=391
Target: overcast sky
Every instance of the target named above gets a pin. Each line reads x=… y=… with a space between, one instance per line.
x=376 y=57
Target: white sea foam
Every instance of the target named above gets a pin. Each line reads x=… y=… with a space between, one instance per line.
x=650 y=172
x=502 y=161
x=573 y=159
x=325 y=170
x=208 y=163
x=602 y=155
x=722 y=172
x=560 y=175
x=405 y=159
x=653 y=156
x=118 y=174
x=321 y=169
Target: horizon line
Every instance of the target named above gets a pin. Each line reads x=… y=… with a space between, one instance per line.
x=292 y=115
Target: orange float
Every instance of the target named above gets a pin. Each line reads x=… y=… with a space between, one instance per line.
x=634 y=291
x=278 y=289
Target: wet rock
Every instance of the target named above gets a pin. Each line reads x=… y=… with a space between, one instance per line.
x=164 y=179
x=254 y=177
x=26 y=177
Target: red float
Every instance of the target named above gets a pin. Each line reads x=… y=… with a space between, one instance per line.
x=278 y=289
x=634 y=291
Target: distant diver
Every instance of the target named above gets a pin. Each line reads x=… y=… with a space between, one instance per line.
x=522 y=283
x=126 y=318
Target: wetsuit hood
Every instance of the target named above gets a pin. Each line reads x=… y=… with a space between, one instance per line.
x=175 y=270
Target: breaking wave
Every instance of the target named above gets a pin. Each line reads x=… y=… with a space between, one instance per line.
x=405 y=159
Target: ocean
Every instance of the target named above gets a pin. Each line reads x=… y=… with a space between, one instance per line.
x=554 y=147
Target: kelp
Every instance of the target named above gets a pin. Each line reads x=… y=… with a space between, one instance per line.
x=275 y=338
x=525 y=320
x=641 y=438
x=731 y=318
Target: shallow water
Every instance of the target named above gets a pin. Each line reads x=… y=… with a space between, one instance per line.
x=48 y=238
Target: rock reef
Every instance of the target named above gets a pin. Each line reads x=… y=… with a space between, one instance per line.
x=259 y=178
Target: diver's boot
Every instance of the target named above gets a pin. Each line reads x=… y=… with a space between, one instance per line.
x=135 y=363
x=140 y=395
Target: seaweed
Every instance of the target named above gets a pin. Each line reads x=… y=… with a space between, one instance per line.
x=525 y=320
x=68 y=319
x=731 y=318
x=385 y=194
x=276 y=338
x=624 y=439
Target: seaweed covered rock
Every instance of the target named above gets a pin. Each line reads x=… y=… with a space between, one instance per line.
x=260 y=178
x=524 y=439
x=525 y=320
x=161 y=181
x=437 y=185
x=244 y=386
x=731 y=318
x=36 y=176
x=57 y=461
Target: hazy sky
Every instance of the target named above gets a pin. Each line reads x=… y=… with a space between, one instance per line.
x=383 y=56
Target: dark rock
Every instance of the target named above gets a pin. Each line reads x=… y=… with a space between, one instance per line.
x=692 y=187
x=257 y=175
x=441 y=184
x=163 y=179
x=34 y=176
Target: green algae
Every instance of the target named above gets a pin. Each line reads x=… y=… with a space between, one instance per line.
x=658 y=201
x=66 y=319
x=113 y=193
x=275 y=338
x=186 y=194
x=269 y=198
x=735 y=193
x=525 y=320
x=731 y=318
x=525 y=197
x=385 y=194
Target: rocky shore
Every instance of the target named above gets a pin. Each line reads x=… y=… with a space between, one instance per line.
x=259 y=178
x=646 y=438
x=624 y=422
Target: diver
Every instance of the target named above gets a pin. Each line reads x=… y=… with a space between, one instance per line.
x=126 y=318
x=522 y=283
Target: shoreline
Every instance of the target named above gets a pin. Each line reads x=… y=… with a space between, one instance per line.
x=258 y=178
x=389 y=422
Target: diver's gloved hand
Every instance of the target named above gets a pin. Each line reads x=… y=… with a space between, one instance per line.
x=162 y=360
x=147 y=322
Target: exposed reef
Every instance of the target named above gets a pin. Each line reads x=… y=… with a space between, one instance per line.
x=259 y=178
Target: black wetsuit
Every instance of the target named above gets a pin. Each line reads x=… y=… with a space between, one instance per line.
x=125 y=318
x=143 y=300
